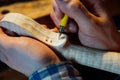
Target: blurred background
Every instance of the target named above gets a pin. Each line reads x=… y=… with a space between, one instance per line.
x=39 y=10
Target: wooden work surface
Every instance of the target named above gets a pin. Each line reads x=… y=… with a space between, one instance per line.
x=33 y=9
x=40 y=8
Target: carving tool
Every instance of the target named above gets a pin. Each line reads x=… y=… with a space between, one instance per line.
x=63 y=24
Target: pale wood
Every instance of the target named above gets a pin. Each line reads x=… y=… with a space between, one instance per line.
x=104 y=60
x=23 y=25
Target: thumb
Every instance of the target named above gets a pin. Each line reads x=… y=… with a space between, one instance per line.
x=2 y=35
x=3 y=38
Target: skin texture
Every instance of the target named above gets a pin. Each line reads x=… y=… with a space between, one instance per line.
x=24 y=54
x=91 y=21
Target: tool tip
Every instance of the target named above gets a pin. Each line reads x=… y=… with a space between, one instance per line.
x=59 y=35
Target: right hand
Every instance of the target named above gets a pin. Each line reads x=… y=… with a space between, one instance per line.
x=95 y=28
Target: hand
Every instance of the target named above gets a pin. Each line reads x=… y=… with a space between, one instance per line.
x=95 y=27
x=24 y=54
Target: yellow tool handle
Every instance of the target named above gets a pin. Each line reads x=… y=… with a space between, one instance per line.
x=64 y=21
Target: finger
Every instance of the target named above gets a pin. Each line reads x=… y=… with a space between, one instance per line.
x=57 y=10
x=73 y=8
x=56 y=14
x=71 y=25
x=76 y=10
x=95 y=7
x=54 y=18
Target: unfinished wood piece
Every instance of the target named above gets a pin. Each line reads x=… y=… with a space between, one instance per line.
x=103 y=60
x=108 y=61
x=26 y=26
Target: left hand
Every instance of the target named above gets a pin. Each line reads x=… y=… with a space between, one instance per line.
x=24 y=54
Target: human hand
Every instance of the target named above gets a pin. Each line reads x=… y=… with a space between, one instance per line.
x=95 y=27
x=24 y=54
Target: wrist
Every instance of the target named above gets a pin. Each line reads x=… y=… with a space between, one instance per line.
x=54 y=60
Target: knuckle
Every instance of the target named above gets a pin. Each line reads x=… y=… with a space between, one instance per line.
x=75 y=5
x=67 y=1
